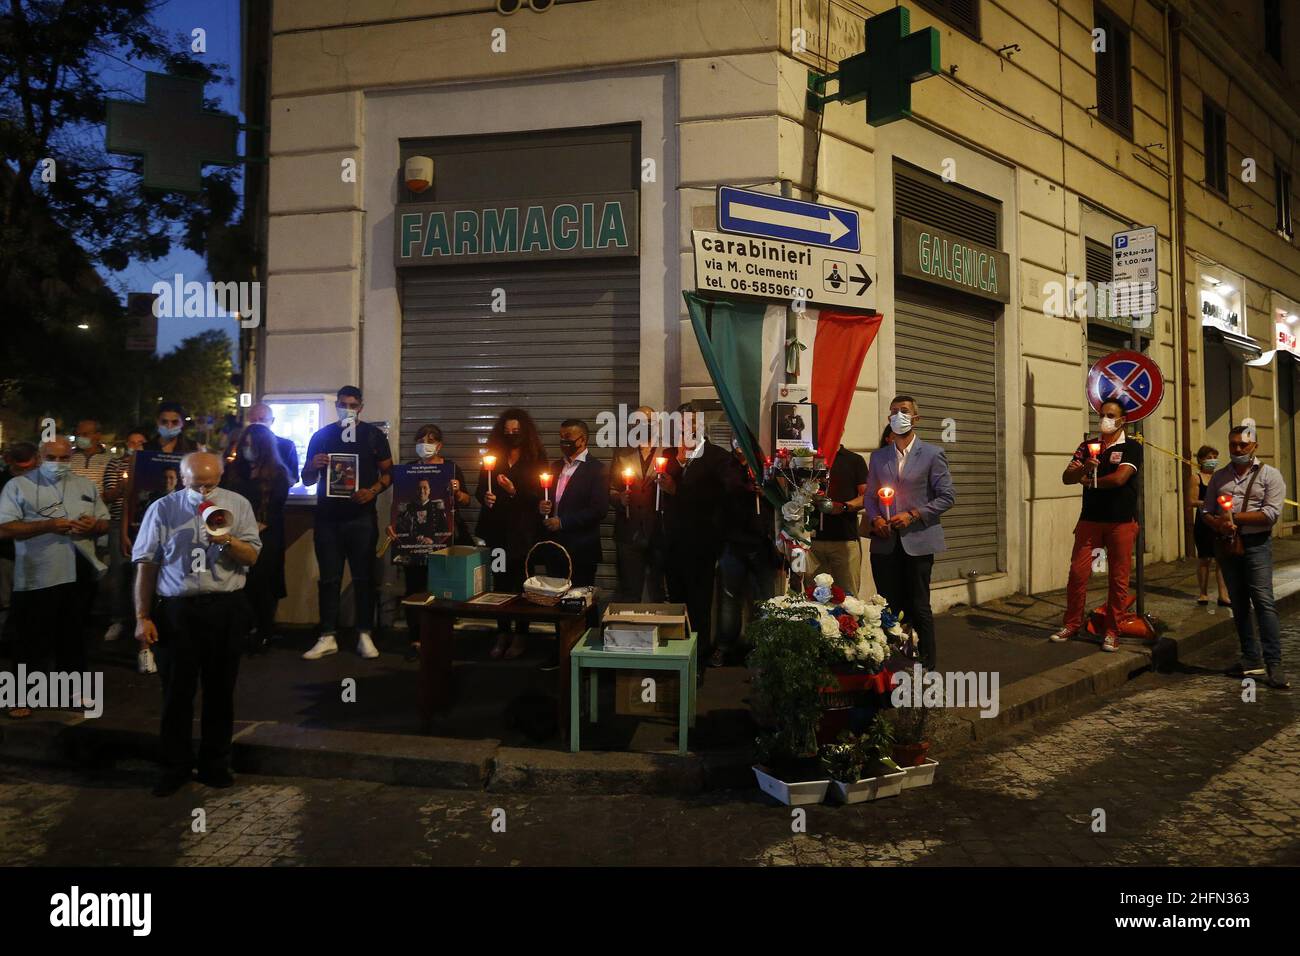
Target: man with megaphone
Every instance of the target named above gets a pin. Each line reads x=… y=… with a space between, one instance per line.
x=192 y=555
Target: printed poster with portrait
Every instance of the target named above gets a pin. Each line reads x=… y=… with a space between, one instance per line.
x=151 y=475
x=794 y=425
x=424 y=509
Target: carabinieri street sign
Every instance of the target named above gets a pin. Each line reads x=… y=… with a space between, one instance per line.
x=749 y=213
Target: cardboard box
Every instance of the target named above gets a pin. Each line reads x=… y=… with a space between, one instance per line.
x=671 y=619
x=458 y=573
x=628 y=692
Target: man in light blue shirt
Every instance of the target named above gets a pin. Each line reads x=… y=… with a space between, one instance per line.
x=192 y=555
x=53 y=518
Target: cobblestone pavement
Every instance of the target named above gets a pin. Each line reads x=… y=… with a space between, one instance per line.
x=1184 y=770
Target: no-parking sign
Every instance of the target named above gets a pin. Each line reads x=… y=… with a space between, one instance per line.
x=1129 y=378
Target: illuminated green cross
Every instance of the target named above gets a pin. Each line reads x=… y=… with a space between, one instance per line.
x=172 y=131
x=883 y=74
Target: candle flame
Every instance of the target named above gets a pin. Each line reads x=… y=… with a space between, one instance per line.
x=660 y=464
x=1225 y=502
x=546 y=479
x=884 y=494
x=489 y=461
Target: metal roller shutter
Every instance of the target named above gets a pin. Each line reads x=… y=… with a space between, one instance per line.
x=948 y=362
x=566 y=346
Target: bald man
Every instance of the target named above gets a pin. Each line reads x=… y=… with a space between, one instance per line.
x=53 y=518
x=261 y=414
x=636 y=543
x=190 y=608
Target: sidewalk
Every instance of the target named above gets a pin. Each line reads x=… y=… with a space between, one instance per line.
x=294 y=720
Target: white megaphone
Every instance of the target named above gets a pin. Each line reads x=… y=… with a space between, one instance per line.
x=216 y=519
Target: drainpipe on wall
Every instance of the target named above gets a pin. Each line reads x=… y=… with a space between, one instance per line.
x=1178 y=232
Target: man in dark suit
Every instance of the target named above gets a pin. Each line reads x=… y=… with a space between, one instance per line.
x=696 y=483
x=572 y=517
x=261 y=414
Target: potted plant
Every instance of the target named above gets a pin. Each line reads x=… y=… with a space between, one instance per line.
x=860 y=767
x=911 y=728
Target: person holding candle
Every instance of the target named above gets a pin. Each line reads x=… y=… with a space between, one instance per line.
x=1108 y=519
x=347 y=529
x=905 y=539
x=837 y=548
x=572 y=517
x=508 y=519
x=637 y=556
x=1207 y=463
x=748 y=565
x=1242 y=503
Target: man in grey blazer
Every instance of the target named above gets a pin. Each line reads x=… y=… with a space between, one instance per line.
x=906 y=535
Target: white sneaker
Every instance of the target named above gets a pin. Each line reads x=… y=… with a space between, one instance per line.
x=325 y=644
x=366 y=647
x=114 y=631
x=145 y=663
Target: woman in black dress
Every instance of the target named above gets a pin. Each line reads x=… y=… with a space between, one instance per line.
x=257 y=473
x=509 y=518
x=415 y=567
x=1207 y=462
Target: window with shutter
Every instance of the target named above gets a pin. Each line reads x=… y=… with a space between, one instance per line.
x=1114 y=74
x=1216 y=146
x=962 y=14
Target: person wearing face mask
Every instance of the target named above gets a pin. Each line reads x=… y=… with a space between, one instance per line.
x=508 y=518
x=53 y=518
x=116 y=479
x=1207 y=463
x=261 y=414
x=572 y=515
x=907 y=535
x=1245 y=552
x=423 y=513
x=259 y=475
x=89 y=456
x=1108 y=520
x=191 y=609
x=19 y=458
x=171 y=426
x=347 y=529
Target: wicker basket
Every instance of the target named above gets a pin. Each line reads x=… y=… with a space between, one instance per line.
x=544 y=590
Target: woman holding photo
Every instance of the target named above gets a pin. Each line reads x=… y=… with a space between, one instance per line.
x=428 y=451
x=259 y=475
x=509 y=516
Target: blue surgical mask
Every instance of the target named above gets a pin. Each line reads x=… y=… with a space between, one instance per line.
x=346 y=414
x=167 y=433
x=195 y=497
x=55 y=470
x=1210 y=464
x=1242 y=459
x=83 y=443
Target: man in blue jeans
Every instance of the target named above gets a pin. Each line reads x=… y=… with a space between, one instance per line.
x=1257 y=491
x=353 y=464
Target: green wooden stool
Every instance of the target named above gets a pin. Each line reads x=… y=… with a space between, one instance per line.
x=676 y=656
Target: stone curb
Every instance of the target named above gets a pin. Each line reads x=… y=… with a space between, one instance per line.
x=282 y=750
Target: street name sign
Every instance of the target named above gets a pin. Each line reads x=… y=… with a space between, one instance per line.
x=768 y=269
x=749 y=213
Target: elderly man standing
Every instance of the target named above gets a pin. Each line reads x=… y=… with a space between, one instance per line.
x=53 y=517
x=190 y=606
x=1245 y=552
x=261 y=414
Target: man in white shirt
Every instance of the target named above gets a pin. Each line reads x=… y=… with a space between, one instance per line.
x=189 y=606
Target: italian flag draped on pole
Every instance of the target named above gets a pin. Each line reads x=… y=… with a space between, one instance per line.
x=745 y=351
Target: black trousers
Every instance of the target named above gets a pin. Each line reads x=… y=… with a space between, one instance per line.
x=199 y=642
x=904 y=581
x=51 y=622
x=640 y=571
x=690 y=582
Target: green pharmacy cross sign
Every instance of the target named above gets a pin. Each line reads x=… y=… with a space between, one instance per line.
x=883 y=74
x=173 y=132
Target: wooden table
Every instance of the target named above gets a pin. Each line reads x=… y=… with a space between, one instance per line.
x=677 y=656
x=437 y=623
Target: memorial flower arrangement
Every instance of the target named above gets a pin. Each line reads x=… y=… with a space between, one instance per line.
x=856 y=631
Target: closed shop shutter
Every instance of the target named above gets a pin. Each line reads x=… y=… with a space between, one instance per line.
x=1287 y=390
x=947 y=361
x=567 y=345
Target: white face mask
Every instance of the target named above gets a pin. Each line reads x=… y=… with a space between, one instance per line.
x=1109 y=426
x=83 y=442
x=55 y=470
x=900 y=423
x=195 y=497
x=427 y=449
x=346 y=414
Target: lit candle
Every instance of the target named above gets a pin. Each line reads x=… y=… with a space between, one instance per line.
x=627 y=488
x=1225 y=502
x=546 y=486
x=1094 y=449
x=489 y=462
x=660 y=465
x=886 y=496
